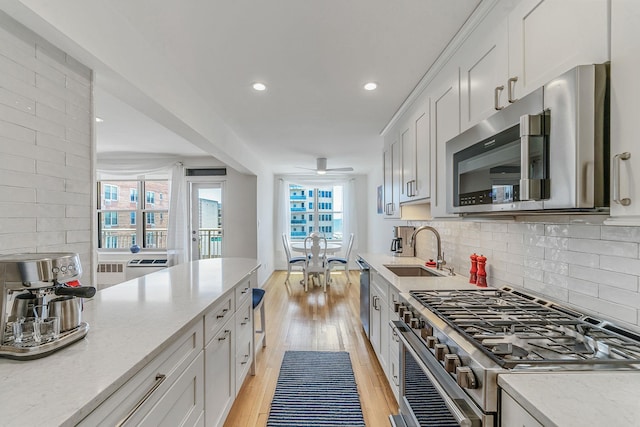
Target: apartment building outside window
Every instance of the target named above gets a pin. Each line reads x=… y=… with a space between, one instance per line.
x=315 y=208
x=124 y=220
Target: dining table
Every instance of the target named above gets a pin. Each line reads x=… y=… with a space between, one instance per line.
x=332 y=248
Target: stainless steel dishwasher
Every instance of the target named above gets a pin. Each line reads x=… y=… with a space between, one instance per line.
x=364 y=294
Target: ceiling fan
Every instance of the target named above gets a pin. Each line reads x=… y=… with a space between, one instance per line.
x=321 y=167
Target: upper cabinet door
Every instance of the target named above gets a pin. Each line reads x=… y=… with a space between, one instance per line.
x=625 y=111
x=391 y=166
x=549 y=37
x=484 y=66
x=408 y=168
x=416 y=167
x=445 y=124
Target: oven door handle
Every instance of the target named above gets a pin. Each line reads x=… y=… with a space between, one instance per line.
x=465 y=417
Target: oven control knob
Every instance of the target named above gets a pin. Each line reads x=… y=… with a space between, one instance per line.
x=431 y=341
x=451 y=362
x=441 y=351
x=426 y=331
x=401 y=310
x=396 y=306
x=465 y=377
x=415 y=323
x=407 y=316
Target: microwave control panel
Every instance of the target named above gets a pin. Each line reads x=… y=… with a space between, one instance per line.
x=496 y=195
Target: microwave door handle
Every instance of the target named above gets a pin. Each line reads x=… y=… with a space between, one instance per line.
x=530 y=125
x=616 y=178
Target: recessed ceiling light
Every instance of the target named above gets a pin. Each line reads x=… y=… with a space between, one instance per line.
x=259 y=86
x=370 y=86
x=99 y=120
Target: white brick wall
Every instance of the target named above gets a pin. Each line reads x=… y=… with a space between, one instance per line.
x=590 y=266
x=45 y=147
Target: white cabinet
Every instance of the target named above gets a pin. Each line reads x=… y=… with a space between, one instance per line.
x=625 y=110
x=549 y=37
x=378 y=335
x=391 y=160
x=220 y=374
x=484 y=63
x=183 y=403
x=445 y=124
x=173 y=378
x=244 y=342
x=415 y=168
x=512 y=414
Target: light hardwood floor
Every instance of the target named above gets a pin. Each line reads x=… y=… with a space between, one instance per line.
x=313 y=321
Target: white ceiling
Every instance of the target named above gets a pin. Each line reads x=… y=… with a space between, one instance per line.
x=314 y=56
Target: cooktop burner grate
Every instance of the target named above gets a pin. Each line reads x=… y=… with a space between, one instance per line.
x=514 y=328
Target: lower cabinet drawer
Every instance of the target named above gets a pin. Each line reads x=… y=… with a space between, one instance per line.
x=183 y=403
x=140 y=393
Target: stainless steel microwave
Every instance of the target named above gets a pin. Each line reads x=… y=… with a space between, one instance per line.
x=547 y=151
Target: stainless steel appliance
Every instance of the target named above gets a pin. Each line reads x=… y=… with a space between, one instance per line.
x=365 y=313
x=33 y=322
x=547 y=151
x=455 y=344
x=401 y=244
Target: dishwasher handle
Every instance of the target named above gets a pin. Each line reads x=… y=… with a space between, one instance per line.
x=362 y=264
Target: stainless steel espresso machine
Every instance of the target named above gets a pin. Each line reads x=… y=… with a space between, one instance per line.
x=401 y=238
x=40 y=303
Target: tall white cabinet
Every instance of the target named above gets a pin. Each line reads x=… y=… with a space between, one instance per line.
x=625 y=111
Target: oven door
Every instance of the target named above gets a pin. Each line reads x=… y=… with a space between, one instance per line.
x=429 y=396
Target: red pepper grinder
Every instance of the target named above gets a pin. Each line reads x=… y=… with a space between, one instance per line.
x=482 y=273
x=473 y=273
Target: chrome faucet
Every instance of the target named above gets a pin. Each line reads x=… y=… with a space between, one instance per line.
x=440 y=259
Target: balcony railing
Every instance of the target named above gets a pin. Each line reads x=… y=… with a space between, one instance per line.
x=210 y=242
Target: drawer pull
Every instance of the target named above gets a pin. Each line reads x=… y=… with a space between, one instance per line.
x=246 y=320
x=159 y=380
x=246 y=359
x=224 y=313
x=226 y=334
x=244 y=291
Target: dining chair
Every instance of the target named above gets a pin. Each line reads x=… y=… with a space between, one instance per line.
x=298 y=261
x=315 y=250
x=339 y=261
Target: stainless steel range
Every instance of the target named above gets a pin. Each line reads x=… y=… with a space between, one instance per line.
x=457 y=342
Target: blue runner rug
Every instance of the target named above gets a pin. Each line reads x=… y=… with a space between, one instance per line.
x=316 y=388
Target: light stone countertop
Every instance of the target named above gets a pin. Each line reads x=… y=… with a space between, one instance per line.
x=129 y=325
x=577 y=399
x=406 y=284
x=564 y=399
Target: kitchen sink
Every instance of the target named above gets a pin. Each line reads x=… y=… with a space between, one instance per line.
x=411 y=271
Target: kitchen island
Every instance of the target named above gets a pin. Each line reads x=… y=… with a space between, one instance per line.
x=131 y=324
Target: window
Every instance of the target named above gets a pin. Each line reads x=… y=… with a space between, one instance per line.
x=324 y=211
x=118 y=225
x=110 y=193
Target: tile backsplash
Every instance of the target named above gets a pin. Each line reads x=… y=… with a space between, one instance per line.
x=45 y=146
x=590 y=266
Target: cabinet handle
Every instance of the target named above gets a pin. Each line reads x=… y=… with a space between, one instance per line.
x=375 y=303
x=245 y=291
x=246 y=320
x=224 y=313
x=616 y=178
x=159 y=380
x=226 y=334
x=510 y=87
x=496 y=97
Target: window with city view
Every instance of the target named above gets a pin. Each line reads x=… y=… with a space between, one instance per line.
x=124 y=219
x=314 y=208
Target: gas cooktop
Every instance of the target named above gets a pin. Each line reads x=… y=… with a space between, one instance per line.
x=516 y=329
